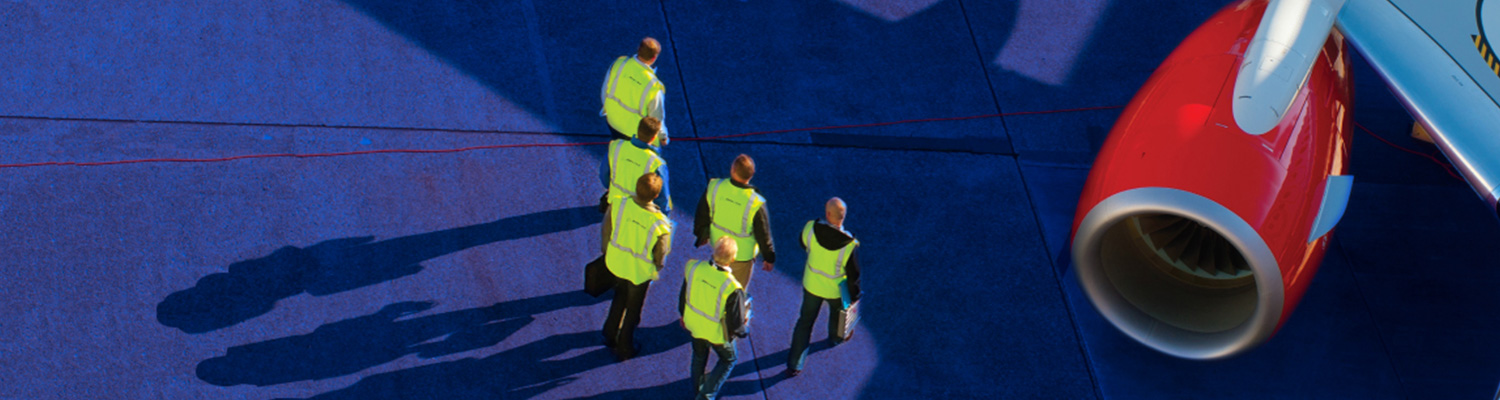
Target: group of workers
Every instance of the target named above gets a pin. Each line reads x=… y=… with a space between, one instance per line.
x=732 y=215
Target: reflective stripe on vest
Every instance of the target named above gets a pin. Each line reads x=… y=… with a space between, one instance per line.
x=710 y=326
x=637 y=162
x=749 y=203
x=825 y=267
x=629 y=253
x=640 y=85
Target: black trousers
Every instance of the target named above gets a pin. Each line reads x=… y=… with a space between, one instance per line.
x=802 y=334
x=624 y=316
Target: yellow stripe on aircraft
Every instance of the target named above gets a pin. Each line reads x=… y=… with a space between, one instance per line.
x=1487 y=53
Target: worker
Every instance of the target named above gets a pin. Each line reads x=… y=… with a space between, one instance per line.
x=627 y=160
x=638 y=239
x=631 y=92
x=731 y=207
x=832 y=263
x=715 y=313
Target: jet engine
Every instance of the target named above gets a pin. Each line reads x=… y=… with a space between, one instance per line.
x=1193 y=236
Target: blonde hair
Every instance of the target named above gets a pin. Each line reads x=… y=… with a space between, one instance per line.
x=725 y=250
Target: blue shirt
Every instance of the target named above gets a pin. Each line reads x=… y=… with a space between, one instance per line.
x=664 y=201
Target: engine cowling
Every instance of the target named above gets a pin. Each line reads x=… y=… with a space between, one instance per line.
x=1192 y=236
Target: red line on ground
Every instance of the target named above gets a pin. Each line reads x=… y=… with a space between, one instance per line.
x=293 y=155
x=1446 y=168
x=521 y=145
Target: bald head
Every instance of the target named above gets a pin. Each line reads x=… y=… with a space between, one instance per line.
x=725 y=250
x=834 y=211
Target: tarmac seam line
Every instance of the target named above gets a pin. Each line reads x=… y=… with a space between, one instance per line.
x=533 y=33
x=1061 y=290
x=703 y=163
x=1389 y=358
x=692 y=122
x=983 y=67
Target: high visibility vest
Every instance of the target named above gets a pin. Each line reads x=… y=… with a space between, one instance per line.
x=632 y=233
x=825 y=267
x=626 y=165
x=729 y=210
x=632 y=86
x=708 y=288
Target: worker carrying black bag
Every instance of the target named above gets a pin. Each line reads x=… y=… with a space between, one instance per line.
x=596 y=278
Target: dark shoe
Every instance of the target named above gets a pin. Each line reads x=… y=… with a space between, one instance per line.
x=609 y=341
x=792 y=373
x=622 y=356
x=837 y=342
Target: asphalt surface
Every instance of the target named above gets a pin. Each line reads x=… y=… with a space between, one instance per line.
x=422 y=228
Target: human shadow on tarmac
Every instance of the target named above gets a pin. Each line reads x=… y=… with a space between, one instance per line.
x=522 y=372
x=353 y=345
x=682 y=389
x=252 y=287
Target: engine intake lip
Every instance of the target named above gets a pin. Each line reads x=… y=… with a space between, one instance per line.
x=1094 y=277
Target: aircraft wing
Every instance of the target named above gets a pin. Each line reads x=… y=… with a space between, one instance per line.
x=1436 y=57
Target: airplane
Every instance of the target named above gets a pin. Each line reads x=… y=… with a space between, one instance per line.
x=1210 y=205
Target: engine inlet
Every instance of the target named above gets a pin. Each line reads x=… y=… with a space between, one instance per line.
x=1178 y=272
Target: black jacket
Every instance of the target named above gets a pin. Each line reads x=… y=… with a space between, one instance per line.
x=760 y=224
x=734 y=310
x=829 y=237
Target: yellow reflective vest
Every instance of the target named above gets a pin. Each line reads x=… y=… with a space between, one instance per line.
x=730 y=209
x=626 y=165
x=825 y=267
x=632 y=86
x=708 y=288
x=632 y=234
